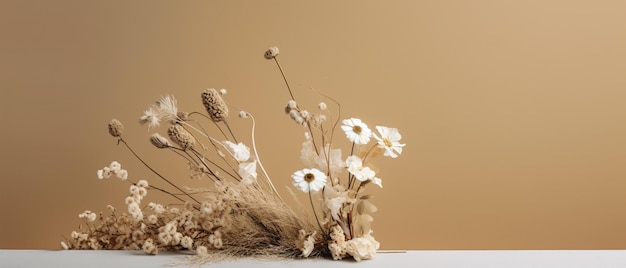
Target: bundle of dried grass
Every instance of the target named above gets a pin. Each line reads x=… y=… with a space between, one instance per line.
x=241 y=213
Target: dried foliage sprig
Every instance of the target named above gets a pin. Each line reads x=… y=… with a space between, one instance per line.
x=240 y=213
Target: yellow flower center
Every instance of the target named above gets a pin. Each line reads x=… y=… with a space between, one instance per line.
x=309 y=177
x=387 y=142
x=357 y=129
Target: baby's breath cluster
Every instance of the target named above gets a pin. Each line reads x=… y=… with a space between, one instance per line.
x=240 y=212
x=304 y=117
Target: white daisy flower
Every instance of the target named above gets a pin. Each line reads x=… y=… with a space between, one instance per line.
x=356 y=168
x=356 y=131
x=389 y=140
x=240 y=151
x=309 y=180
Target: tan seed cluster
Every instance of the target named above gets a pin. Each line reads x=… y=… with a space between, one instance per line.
x=181 y=137
x=214 y=104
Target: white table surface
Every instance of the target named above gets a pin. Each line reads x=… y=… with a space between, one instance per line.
x=415 y=258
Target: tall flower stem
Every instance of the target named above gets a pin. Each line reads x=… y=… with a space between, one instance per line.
x=315 y=213
x=284 y=77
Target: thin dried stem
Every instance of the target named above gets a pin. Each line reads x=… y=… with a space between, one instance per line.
x=154 y=171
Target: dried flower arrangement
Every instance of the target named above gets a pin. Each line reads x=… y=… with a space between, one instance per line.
x=241 y=213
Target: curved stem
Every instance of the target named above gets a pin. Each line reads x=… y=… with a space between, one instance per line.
x=154 y=171
x=256 y=155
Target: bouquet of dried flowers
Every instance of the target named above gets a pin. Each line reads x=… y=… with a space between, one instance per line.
x=240 y=212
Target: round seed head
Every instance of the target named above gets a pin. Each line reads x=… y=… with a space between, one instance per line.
x=116 y=128
x=271 y=53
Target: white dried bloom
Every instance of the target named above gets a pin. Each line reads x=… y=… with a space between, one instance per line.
x=243 y=114
x=176 y=238
x=356 y=168
x=187 y=242
x=107 y=172
x=135 y=211
x=389 y=140
x=322 y=106
x=142 y=183
x=149 y=247
x=216 y=239
x=158 y=208
x=206 y=209
x=170 y=227
x=202 y=250
x=223 y=91
x=129 y=200
x=247 y=171
x=152 y=219
x=337 y=246
x=306 y=115
x=122 y=174
x=115 y=166
x=291 y=104
x=308 y=245
x=88 y=215
x=356 y=131
x=142 y=192
x=271 y=53
x=165 y=238
x=150 y=117
x=134 y=190
x=362 y=248
x=309 y=180
x=239 y=151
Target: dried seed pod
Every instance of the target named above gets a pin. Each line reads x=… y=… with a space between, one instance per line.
x=183 y=116
x=214 y=104
x=271 y=53
x=159 y=141
x=116 y=128
x=181 y=137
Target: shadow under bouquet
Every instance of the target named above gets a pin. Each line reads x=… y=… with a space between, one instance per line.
x=240 y=213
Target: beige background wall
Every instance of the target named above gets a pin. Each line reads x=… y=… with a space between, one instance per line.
x=513 y=111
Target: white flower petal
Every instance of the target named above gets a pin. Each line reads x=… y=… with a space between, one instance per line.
x=247 y=171
x=309 y=180
x=239 y=151
x=356 y=131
